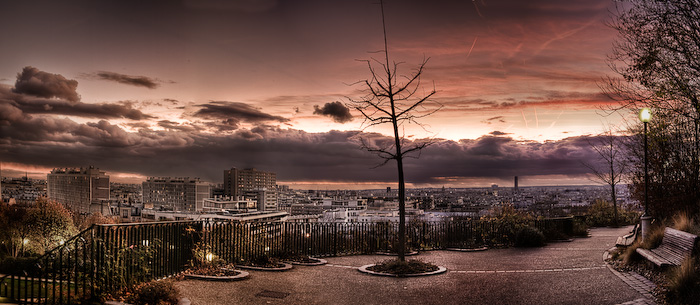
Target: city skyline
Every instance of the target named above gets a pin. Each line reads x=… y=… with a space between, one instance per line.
x=192 y=88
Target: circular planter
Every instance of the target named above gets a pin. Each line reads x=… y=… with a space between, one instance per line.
x=318 y=262
x=484 y=248
x=225 y=278
x=284 y=267
x=409 y=253
x=364 y=269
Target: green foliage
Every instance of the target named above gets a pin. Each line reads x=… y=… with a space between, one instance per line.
x=155 y=293
x=509 y=221
x=684 y=283
x=580 y=228
x=50 y=224
x=204 y=258
x=84 y=222
x=14 y=229
x=601 y=214
x=529 y=237
x=398 y=267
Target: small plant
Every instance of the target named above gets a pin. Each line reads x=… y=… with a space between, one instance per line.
x=683 y=283
x=263 y=260
x=395 y=266
x=682 y=221
x=580 y=228
x=529 y=237
x=629 y=255
x=653 y=238
x=155 y=292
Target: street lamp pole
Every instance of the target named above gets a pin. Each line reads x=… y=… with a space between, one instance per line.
x=645 y=117
x=646 y=172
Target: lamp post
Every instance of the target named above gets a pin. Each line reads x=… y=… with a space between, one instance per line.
x=645 y=117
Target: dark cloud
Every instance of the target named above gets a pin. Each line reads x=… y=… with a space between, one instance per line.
x=234 y=112
x=139 y=81
x=336 y=110
x=498 y=133
x=167 y=124
x=293 y=154
x=32 y=81
x=32 y=105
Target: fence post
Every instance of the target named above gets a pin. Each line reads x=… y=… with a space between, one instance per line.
x=335 y=239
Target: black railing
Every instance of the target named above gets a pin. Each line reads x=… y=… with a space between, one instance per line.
x=106 y=258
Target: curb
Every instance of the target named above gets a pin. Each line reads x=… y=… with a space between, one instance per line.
x=635 y=281
x=277 y=269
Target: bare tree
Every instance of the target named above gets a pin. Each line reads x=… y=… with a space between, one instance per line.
x=612 y=166
x=392 y=98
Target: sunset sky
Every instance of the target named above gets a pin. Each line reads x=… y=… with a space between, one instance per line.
x=192 y=87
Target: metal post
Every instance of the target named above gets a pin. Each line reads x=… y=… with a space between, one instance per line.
x=646 y=218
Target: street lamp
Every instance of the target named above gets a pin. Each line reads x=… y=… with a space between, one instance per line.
x=645 y=117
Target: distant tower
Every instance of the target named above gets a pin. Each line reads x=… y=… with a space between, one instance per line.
x=388 y=189
x=515 y=183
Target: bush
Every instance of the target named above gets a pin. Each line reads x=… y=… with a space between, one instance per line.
x=155 y=292
x=654 y=237
x=529 y=237
x=683 y=283
x=682 y=221
x=630 y=255
x=509 y=221
x=602 y=213
x=19 y=266
x=580 y=228
x=395 y=266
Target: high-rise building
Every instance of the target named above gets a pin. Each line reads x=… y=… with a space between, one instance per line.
x=515 y=184
x=83 y=190
x=252 y=183
x=176 y=194
x=239 y=181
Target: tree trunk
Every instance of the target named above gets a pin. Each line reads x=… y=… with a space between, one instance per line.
x=402 y=187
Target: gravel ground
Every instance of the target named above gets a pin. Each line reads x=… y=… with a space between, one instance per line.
x=560 y=273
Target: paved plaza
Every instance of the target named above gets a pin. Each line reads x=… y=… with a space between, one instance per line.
x=560 y=273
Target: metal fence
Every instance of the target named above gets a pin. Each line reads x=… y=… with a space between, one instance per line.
x=106 y=258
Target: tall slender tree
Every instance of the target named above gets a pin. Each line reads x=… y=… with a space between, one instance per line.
x=612 y=166
x=393 y=99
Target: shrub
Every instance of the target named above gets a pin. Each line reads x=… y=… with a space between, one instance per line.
x=653 y=238
x=19 y=266
x=529 y=237
x=580 y=228
x=601 y=213
x=682 y=221
x=509 y=221
x=395 y=266
x=630 y=255
x=155 y=292
x=683 y=283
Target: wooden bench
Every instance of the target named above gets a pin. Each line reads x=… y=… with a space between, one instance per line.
x=627 y=240
x=675 y=247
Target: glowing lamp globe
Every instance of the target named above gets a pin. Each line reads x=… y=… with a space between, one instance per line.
x=645 y=115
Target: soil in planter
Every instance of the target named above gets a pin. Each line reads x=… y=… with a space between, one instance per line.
x=227 y=270
x=263 y=262
x=304 y=259
x=394 y=266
